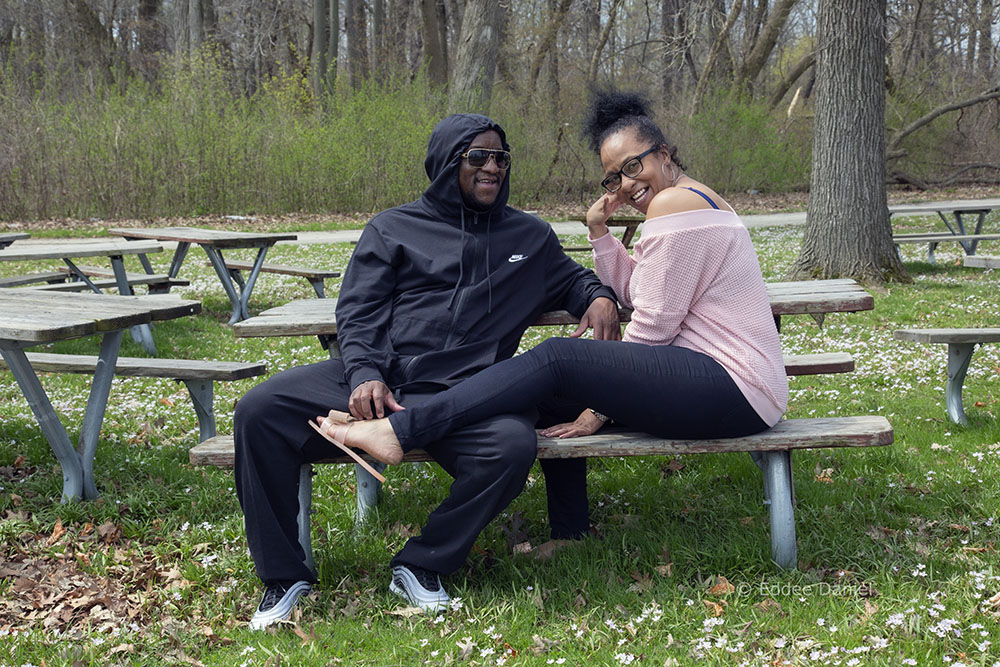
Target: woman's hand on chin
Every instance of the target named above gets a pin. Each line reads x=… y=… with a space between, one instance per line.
x=600 y=211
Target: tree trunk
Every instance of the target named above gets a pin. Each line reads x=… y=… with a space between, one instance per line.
x=321 y=26
x=357 y=41
x=471 y=85
x=764 y=44
x=333 y=43
x=434 y=51
x=396 y=41
x=847 y=231
x=557 y=10
x=595 y=59
x=721 y=42
x=195 y=26
x=378 y=39
x=986 y=45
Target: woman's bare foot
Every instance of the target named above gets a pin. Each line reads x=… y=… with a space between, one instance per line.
x=373 y=436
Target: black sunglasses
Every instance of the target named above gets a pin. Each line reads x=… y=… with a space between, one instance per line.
x=478 y=157
x=631 y=168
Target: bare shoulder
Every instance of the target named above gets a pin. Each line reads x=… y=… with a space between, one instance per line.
x=680 y=199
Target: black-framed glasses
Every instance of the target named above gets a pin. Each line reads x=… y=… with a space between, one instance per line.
x=631 y=168
x=478 y=157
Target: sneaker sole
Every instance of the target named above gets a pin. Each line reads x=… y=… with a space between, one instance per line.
x=432 y=606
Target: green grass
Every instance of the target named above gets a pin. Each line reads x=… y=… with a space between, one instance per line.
x=897 y=545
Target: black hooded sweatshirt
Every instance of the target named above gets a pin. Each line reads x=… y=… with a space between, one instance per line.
x=436 y=291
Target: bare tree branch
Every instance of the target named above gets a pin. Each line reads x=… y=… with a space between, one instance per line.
x=596 y=58
x=893 y=150
x=713 y=54
x=798 y=70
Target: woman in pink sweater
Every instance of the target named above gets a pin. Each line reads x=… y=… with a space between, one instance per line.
x=700 y=357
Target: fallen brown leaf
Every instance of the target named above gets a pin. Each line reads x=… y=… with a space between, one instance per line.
x=57 y=532
x=721 y=587
x=714 y=608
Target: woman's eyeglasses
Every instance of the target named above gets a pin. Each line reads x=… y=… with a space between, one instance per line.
x=631 y=168
x=478 y=157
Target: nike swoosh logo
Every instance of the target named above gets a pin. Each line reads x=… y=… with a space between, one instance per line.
x=516 y=258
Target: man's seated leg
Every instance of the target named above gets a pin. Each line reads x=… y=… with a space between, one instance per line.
x=272 y=442
x=565 y=479
x=490 y=463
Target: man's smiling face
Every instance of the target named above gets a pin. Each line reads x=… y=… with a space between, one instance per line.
x=480 y=186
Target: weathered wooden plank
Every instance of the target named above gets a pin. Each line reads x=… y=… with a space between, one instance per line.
x=970 y=335
x=55 y=314
x=983 y=261
x=818 y=364
x=156 y=307
x=115 y=247
x=37 y=328
x=935 y=238
x=32 y=278
x=220 y=238
x=867 y=431
x=301 y=271
x=177 y=369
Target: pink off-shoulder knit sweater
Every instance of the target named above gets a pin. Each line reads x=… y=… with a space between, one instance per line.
x=694 y=281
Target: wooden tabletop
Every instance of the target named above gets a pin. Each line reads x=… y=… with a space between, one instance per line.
x=945 y=207
x=308 y=317
x=6 y=238
x=39 y=316
x=61 y=249
x=220 y=238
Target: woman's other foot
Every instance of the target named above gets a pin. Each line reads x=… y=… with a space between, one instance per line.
x=375 y=437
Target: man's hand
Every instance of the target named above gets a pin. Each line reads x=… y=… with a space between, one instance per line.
x=368 y=393
x=602 y=315
x=586 y=424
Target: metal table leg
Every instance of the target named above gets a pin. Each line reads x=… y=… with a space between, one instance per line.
x=77 y=466
x=959 y=356
x=178 y=259
x=778 y=482
x=142 y=333
x=239 y=301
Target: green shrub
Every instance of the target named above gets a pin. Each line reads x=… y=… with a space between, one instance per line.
x=736 y=144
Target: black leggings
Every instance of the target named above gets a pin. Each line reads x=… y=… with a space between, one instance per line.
x=664 y=390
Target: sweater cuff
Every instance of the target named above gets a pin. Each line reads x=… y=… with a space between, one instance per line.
x=605 y=244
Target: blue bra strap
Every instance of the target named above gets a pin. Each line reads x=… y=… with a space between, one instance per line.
x=707 y=198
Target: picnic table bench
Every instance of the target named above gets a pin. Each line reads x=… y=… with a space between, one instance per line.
x=771 y=450
x=961 y=343
x=969 y=242
x=198 y=375
x=314 y=276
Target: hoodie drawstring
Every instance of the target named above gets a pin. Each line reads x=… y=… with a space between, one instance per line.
x=489 y=279
x=461 y=264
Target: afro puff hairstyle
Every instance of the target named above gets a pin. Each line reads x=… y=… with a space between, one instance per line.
x=609 y=111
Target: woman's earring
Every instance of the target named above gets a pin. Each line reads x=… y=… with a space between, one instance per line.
x=676 y=173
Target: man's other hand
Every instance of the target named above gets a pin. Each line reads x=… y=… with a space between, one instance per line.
x=602 y=315
x=372 y=393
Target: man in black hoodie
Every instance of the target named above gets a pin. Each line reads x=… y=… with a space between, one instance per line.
x=436 y=290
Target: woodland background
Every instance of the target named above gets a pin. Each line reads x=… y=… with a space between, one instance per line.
x=141 y=108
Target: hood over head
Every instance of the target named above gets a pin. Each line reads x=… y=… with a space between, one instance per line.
x=448 y=141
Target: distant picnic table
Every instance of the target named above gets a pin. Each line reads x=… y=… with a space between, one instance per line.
x=956 y=226
x=628 y=223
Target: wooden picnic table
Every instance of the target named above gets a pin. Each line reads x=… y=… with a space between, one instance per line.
x=629 y=224
x=214 y=241
x=6 y=238
x=31 y=317
x=957 y=210
x=316 y=317
x=113 y=249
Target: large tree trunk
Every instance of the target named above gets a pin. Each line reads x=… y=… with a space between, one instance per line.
x=543 y=49
x=435 y=57
x=847 y=232
x=321 y=27
x=476 y=59
x=333 y=42
x=986 y=39
x=357 y=41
